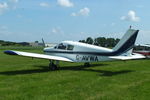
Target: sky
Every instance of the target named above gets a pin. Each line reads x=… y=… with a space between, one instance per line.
x=59 y=20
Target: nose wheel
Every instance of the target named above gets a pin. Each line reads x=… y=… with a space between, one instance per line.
x=54 y=65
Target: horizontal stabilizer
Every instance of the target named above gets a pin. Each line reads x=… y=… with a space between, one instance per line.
x=134 y=56
x=36 y=55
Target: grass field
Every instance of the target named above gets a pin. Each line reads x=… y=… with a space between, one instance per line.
x=26 y=79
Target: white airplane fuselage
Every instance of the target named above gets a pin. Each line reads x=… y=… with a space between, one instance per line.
x=80 y=52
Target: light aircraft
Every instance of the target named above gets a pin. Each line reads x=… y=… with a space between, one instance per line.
x=142 y=49
x=71 y=51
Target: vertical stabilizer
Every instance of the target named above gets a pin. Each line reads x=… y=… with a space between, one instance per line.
x=127 y=42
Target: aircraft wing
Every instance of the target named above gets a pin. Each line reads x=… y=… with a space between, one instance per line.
x=36 y=55
x=134 y=56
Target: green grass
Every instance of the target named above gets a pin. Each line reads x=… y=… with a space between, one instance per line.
x=22 y=78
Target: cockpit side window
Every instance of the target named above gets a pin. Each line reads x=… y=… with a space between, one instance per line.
x=62 y=46
x=70 y=47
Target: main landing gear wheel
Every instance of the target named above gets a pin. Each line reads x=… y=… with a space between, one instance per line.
x=53 y=66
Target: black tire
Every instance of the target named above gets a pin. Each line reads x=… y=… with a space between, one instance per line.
x=53 y=67
x=86 y=64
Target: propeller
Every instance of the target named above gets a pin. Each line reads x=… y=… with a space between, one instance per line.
x=43 y=43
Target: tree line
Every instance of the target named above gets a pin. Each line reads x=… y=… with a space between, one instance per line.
x=101 y=41
x=8 y=43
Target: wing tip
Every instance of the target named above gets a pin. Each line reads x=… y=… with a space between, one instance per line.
x=9 y=52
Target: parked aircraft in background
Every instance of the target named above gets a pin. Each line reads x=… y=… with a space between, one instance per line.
x=142 y=49
x=71 y=51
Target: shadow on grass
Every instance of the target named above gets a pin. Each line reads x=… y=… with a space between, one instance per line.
x=20 y=72
x=100 y=72
x=73 y=68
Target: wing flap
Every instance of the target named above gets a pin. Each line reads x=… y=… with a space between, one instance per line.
x=36 y=55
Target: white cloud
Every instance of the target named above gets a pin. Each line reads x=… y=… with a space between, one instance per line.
x=65 y=3
x=82 y=33
x=83 y=12
x=14 y=1
x=4 y=31
x=3 y=7
x=113 y=24
x=8 y=5
x=57 y=30
x=3 y=27
x=131 y=17
x=54 y=30
x=44 y=4
x=19 y=16
x=13 y=4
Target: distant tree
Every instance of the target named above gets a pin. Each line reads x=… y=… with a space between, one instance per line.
x=101 y=41
x=36 y=41
x=83 y=41
x=117 y=40
x=8 y=43
x=1 y=41
x=24 y=43
x=89 y=40
x=110 y=42
x=95 y=42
